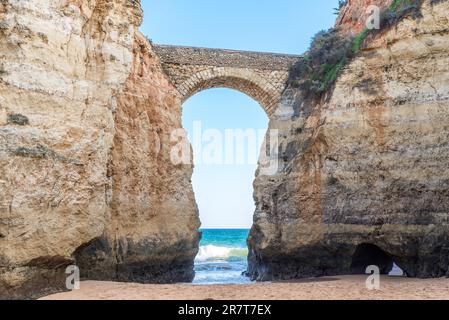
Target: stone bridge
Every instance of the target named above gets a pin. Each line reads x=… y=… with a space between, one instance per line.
x=262 y=76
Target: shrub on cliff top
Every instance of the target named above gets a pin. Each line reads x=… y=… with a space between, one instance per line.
x=319 y=68
x=389 y=17
x=398 y=10
x=330 y=51
x=341 y=4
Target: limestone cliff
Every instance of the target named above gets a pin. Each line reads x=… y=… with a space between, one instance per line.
x=365 y=168
x=152 y=235
x=85 y=116
x=353 y=16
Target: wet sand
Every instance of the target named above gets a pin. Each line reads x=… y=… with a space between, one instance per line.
x=330 y=288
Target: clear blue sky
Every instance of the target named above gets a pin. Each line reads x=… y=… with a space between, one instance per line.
x=224 y=192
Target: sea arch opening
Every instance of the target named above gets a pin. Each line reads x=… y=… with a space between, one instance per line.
x=367 y=254
x=226 y=128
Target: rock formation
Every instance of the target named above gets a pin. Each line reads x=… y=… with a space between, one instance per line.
x=353 y=16
x=364 y=173
x=86 y=116
x=85 y=119
x=152 y=235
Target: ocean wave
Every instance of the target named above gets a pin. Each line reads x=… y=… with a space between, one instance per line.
x=211 y=252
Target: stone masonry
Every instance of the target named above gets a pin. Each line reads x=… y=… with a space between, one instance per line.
x=261 y=76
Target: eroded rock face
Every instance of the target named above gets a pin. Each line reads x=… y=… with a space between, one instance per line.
x=83 y=105
x=366 y=165
x=353 y=16
x=152 y=236
x=86 y=115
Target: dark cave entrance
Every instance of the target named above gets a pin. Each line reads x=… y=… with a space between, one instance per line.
x=367 y=255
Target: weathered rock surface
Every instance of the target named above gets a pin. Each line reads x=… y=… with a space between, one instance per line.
x=353 y=16
x=152 y=236
x=365 y=171
x=85 y=116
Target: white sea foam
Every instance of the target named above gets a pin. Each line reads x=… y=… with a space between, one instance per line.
x=211 y=252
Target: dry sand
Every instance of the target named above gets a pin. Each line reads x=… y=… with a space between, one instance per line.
x=330 y=288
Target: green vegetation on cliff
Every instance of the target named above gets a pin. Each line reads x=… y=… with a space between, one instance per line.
x=330 y=51
x=341 y=5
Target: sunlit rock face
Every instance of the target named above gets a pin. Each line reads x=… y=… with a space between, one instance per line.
x=86 y=178
x=152 y=235
x=353 y=17
x=85 y=119
x=367 y=165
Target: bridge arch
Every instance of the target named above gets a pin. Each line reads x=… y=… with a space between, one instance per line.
x=246 y=81
x=262 y=76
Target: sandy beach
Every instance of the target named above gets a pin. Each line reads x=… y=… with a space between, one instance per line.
x=329 y=288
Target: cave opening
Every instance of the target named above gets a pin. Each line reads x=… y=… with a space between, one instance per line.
x=367 y=254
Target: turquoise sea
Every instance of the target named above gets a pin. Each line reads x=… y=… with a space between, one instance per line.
x=222 y=257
